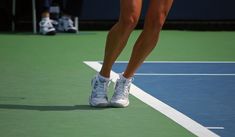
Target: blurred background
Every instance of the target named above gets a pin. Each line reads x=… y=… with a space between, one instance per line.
x=101 y=14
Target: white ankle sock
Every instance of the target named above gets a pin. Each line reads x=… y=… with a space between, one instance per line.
x=102 y=77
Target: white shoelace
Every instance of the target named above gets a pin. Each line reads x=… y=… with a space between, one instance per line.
x=100 y=85
x=122 y=88
x=46 y=23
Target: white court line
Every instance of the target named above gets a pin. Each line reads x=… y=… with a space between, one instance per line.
x=160 y=106
x=215 y=128
x=181 y=74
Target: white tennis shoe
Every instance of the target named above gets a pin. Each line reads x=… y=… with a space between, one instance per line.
x=65 y=24
x=99 y=96
x=121 y=94
x=46 y=27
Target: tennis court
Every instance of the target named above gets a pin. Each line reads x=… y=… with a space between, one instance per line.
x=45 y=84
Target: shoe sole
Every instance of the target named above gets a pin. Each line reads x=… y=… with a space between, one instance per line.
x=52 y=33
x=100 y=105
x=118 y=105
x=68 y=31
x=71 y=31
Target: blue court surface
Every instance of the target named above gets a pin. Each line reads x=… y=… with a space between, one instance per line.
x=203 y=91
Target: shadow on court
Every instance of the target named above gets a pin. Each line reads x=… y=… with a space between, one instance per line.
x=48 y=108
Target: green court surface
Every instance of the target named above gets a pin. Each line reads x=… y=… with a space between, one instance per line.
x=44 y=84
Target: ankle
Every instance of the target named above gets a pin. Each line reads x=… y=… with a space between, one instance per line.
x=104 y=74
x=45 y=18
x=125 y=77
x=103 y=77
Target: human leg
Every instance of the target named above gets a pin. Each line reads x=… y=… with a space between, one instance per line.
x=120 y=32
x=116 y=41
x=155 y=18
x=46 y=27
x=45 y=7
x=65 y=23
